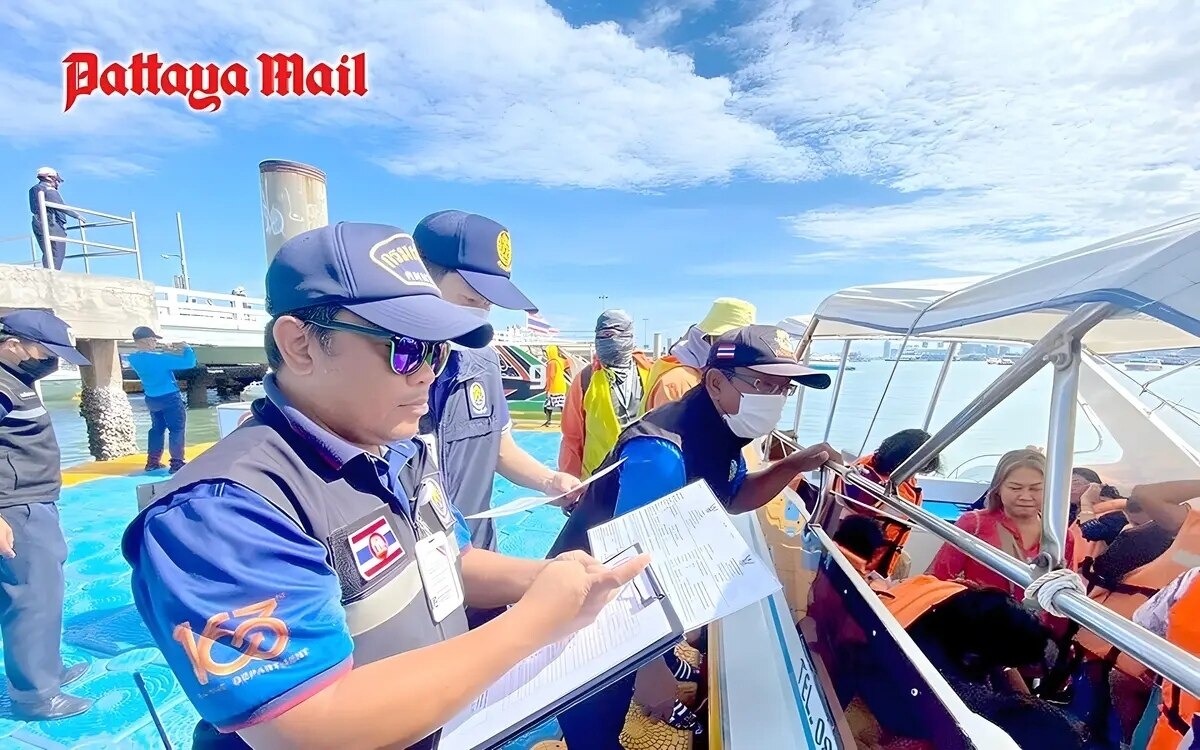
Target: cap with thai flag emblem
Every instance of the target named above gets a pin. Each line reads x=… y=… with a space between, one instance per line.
x=764 y=349
x=375 y=548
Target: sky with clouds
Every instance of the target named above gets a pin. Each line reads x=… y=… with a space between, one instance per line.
x=649 y=155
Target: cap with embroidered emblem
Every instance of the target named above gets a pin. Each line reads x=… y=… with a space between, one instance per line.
x=764 y=349
x=374 y=271
x=479 y=249
x=46 y=329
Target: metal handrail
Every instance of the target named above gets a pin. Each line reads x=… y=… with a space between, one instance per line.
x=1161 y=656
x=43 y=216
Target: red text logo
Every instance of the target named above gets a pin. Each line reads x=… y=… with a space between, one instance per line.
x=205 y=86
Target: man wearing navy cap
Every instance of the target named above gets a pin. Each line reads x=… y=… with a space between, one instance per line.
x=32 y=547
x=746 y=382
x=306 y=577
x=470 y=257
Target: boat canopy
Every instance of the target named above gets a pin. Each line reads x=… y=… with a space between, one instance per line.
x=1151 y=274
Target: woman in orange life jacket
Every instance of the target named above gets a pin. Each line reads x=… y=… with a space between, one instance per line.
x=1174 y=510
x=878 y=467
x=1011 y=522
x=1174 y=614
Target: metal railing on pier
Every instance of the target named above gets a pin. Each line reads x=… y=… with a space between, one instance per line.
x=107 y=249
x=188 y=308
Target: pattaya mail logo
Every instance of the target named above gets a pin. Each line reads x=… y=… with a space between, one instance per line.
x=205 y=86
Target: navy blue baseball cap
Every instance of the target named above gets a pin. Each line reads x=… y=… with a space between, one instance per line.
x=374 y=271
x=479 y=249
x=764 y=349
x=144 y=332
x=44 y=328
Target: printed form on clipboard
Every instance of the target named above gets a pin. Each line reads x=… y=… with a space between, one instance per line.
x=703 y=563
x=637 y=626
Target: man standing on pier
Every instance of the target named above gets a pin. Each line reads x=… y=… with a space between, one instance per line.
x=56 y=218
x=156 y=368
x=470 y=258
x=32 y=547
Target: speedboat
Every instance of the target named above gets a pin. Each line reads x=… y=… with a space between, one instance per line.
x=788 y=672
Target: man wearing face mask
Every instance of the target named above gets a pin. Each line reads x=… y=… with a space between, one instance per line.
x=605 y=398
x=748 y=376
x=470 y=258
x=32 y=547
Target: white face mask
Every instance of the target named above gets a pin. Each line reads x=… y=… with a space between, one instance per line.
x=478 y=312
x=757 y=415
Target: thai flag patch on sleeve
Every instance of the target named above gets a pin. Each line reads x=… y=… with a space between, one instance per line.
x=375 y=548
x=726 y=351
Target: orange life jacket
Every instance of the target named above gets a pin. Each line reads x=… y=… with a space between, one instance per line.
x=895 y=535
x=913 y=597
x=857 y=562
x=1140 y=585
x=1177 y=707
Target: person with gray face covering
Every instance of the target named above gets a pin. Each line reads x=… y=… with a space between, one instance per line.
x=605 y=398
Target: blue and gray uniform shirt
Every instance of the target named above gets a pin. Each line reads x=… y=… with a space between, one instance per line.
x=468 y=414
x=29 y=456
x=215 y=546
x=55 y=216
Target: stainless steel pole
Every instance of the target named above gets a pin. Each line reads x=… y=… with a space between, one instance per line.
x=937 y=388
x=837 y=388
x=187 y=282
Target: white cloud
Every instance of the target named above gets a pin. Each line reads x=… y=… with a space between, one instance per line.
x=462 y=90
x=796 y=264
x=1030 y=127
x=103 y=165
x=664 y=16
x=1006 y=130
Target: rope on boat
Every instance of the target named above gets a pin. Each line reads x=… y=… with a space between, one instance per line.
x=1045 y=588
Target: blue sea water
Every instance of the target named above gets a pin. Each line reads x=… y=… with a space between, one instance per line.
x=102 y=628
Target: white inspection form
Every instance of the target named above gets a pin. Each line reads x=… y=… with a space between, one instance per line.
x=626 y=629
x=703 y=564
x=525 y=503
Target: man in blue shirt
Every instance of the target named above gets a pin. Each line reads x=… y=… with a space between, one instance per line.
x=470 y=258
x=32 y=547
x=156 y=368
x=750 y=373
x=306 y=577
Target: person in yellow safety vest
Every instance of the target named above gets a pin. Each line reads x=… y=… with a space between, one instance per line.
x=1174 y=614
x=604 y=399
x=556 y=383
x=679 y=371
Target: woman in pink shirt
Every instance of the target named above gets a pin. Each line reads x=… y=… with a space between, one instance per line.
x=1011 y=521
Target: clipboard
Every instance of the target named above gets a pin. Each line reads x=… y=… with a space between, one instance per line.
x=650 y=594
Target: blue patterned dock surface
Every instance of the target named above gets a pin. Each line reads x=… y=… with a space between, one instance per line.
x=102 y=628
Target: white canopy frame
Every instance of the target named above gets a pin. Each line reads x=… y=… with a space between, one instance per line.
x=1132 y=293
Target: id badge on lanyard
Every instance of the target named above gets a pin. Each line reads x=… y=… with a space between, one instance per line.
x=439 y=575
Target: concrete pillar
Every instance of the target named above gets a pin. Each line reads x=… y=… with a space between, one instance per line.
x=103 y=403
x=197 y=391
x=293 y=201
